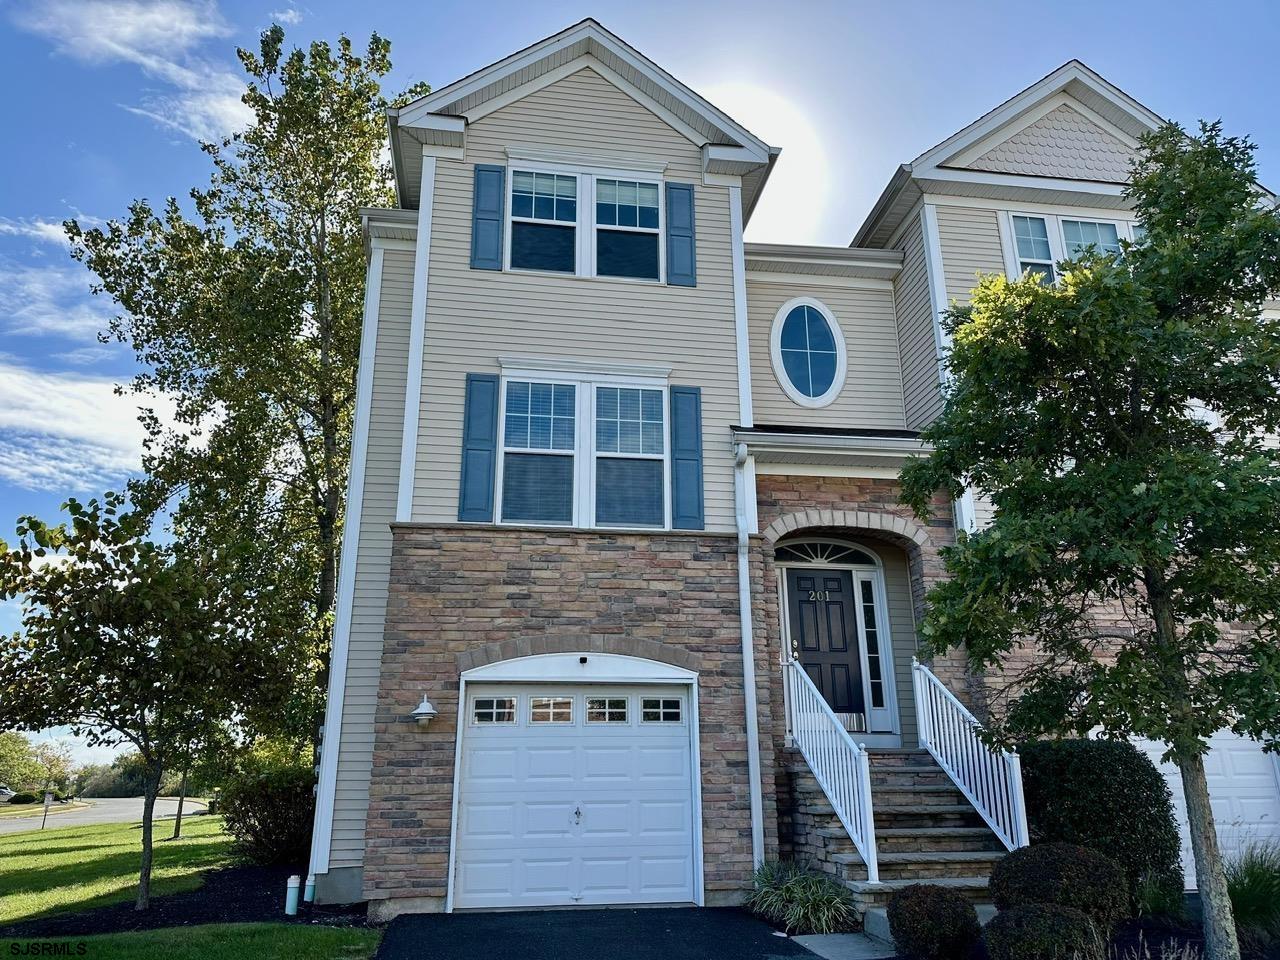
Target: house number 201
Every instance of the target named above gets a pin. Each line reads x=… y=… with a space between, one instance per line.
x=819 y=594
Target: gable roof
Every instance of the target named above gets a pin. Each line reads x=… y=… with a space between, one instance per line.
x=1067 y=137
x=441 y=116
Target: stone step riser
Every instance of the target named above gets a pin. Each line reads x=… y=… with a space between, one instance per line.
x=905 y=781
x=927 y=797
x=924 y=871
x=924 y=819
x=926 y=844
x=865 y=900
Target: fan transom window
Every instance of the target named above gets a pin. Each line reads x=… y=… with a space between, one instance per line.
x=822 y=551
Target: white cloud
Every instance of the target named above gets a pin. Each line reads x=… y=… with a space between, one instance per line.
x=61 y=431
x=162 y=38
x=290 y=17
x=81 y=752
x=34 y=228
x=50 y=299
x=791 y=208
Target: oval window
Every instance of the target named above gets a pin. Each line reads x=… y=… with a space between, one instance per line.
x=808 y=352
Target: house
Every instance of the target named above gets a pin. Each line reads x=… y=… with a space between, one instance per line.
x=627 y=600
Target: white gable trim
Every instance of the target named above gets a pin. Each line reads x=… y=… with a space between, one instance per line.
x=1010 y=111
x=1032 y=117
x=586 y=30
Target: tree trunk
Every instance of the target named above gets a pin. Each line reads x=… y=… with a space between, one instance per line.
x=150 y=790
x=182 y=796
x=1219 y=925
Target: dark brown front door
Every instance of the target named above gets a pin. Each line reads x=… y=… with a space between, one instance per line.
x=824 y=634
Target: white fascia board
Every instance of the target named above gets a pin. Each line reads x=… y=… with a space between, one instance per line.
x=937 y=281
x=452 y=129
x=417 y=342
x=721 y=158
x=1027 y=206
x=326 y=788
x=1024 y=181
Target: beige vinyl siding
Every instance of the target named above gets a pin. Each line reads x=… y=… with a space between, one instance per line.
x=475 y=316
x=918 y=345
x=872 y=392
x=373 y=560
x=902 y=633
x=983 y=510
x=970 y=242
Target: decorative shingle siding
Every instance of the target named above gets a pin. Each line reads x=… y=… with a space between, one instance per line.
x=463 y=596
x=1063 y=143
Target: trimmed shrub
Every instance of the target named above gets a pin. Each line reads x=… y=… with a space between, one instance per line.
x=1064 y=875
x=1068 y=782
x=1043 y=931
x=268 y=805
x=24 y=797
x=800 y=901
x=929 y=922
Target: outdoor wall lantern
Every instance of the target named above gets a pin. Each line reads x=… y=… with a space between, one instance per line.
x=424 y=712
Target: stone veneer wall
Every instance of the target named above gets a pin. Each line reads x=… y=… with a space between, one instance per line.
x=461 y=596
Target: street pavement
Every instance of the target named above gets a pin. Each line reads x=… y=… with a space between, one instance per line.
x=100 y=810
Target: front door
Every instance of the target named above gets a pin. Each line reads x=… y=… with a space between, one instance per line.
x=823 y=617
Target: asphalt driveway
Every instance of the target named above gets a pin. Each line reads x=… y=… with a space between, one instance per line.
x=657 y=934
x=101 y=810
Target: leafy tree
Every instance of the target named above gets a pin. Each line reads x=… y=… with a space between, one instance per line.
x=124 y=639
x=17 y=761
x=1119 y=420
x=248 y=316
x=53 y=761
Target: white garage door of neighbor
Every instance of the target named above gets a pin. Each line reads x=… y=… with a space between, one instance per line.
x=1244 y=791
x=574 y=795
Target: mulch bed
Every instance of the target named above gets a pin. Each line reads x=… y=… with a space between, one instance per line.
x=240 y=894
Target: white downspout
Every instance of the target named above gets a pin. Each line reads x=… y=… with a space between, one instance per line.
x=748 y=654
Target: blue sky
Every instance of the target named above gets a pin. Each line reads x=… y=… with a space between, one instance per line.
x=106 y=101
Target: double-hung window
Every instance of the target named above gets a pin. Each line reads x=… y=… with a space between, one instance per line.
x=584 y=452
x=631 y=446
x=544 y=221
x=539 y=440
x=627 y=215
x=1039 y=242
x=586 y=224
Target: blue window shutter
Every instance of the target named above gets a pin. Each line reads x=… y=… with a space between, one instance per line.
x=682 y=268
x=686 y=458
x=486 y=216
x=479 y=448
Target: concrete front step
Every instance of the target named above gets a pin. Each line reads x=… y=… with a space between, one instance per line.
x=905 y=840
x=898 y=758
x=875 y=922
x=869 y=895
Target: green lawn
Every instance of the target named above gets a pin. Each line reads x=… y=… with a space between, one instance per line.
x=66 y=869
x=228 y=941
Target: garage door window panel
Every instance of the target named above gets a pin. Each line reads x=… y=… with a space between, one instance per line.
x=607 y=710
x=661 y=710
x=493 y=710
x=551 y=709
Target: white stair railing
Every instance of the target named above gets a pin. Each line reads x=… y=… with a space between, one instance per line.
x=990 y=779
x=840 y=766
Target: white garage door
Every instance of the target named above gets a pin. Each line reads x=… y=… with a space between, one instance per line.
x=1244 y=790
x=575 y=795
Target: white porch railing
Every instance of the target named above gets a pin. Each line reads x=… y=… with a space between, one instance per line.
x=990 y=779
x=840 y=766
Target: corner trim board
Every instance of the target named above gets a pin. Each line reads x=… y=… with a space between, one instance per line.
x=326 y=788
x=740 y=328
x=417 y=338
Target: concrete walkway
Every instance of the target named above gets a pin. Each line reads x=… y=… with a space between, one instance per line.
x=99 y=810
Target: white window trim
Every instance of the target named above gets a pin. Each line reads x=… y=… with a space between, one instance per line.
x=585 y=226
x=515 y=712
x=1057 y=239
x=584 y=452
x=775 y=354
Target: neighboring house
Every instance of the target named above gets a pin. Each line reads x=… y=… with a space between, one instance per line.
x=627 y=598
